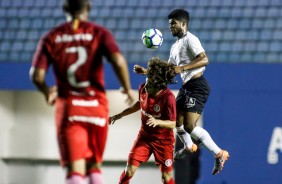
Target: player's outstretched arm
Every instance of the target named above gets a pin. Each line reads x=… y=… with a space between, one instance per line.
x=134 y=108
x=139 y=70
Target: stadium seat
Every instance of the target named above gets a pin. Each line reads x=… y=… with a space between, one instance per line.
x=242 y=28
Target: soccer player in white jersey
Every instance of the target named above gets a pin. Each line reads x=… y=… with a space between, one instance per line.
x=190 y=59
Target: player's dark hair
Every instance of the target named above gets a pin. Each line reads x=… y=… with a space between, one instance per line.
x=160 y=73
x=179 y=14
x=76 y=6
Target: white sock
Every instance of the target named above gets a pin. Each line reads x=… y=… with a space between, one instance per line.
x=205 y=139
x=96 y=178
x=184 y=137
x=75 y=179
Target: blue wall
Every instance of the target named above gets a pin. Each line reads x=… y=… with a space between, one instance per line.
x=242 y=112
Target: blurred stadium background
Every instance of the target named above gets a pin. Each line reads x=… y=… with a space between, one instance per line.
x=243 y=39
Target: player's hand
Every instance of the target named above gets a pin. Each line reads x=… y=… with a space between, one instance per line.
x=112 y=119
x=130 y=96
x=139 y=70
x=52 y=95
x=152 y=121
x=178 y=69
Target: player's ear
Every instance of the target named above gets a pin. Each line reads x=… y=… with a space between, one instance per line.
x=183 y=23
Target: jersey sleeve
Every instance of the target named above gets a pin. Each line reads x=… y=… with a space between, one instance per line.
x=195 y=46
x=40 y=58
x=171 y=59
x=109 y=43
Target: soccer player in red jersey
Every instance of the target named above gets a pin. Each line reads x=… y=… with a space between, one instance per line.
x=158 y=116
x=75 y=50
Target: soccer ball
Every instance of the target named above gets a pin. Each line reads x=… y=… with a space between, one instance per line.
x=152 y=38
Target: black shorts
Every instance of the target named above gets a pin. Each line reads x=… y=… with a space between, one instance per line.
x=193 y=95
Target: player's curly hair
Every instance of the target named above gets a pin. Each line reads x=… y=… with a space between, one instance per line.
x=160 y=73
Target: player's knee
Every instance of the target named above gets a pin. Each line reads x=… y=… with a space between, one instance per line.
x=189 y=128
x=166 y=176
x=130 y=171
x=78 y=166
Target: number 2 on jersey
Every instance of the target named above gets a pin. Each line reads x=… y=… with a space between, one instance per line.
x=82 y=56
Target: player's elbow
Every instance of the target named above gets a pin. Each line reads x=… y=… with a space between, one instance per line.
x=37 y=76
x=205 y=60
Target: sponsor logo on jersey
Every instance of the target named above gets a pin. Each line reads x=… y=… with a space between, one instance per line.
x=73 y=37
x=147 y=114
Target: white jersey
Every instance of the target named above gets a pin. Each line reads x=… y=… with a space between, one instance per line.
x=183 y=52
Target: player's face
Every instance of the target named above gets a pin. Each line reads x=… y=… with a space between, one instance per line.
x=176 y=27
x=150 y=88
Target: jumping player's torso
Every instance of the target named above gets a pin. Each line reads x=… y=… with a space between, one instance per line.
x=183 y=52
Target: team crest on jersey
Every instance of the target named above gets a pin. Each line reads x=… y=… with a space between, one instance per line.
x=190 y=102
x=168 y=162
x=157 y=108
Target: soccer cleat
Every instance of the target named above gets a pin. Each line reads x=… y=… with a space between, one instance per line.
x=180 y=154
x=219 y=161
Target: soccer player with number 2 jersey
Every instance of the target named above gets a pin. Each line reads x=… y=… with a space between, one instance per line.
x=75 y=50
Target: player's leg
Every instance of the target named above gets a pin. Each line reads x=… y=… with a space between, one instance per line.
x=197 y=92
x=94 y=173
x=163 y=153
x=139 y=153
x=204 y=138
x=167 y=178
x=76 y=143
x=70 y=148
x=76 y=172
x=129 y=172
x=183 y=135
x=97 y=142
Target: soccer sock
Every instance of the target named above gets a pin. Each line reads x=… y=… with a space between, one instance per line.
x=75 y=178
x=124 y=179
x=184 y=137
x=171 y=181
x=95 y=177
x=202 y=136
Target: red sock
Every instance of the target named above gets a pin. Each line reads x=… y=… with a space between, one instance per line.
x=171 y=181
x=124 y=179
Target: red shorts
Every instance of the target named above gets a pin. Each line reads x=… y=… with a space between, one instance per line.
x=143 y=149
x=81 y=131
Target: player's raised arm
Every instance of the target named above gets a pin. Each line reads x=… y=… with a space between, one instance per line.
x=139 y=70
x=134 y=108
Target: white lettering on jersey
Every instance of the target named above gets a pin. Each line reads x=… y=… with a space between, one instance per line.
x=85 y=103
x=274 y=146
x=89 y=119
x=147 y=114
x=74 y=37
